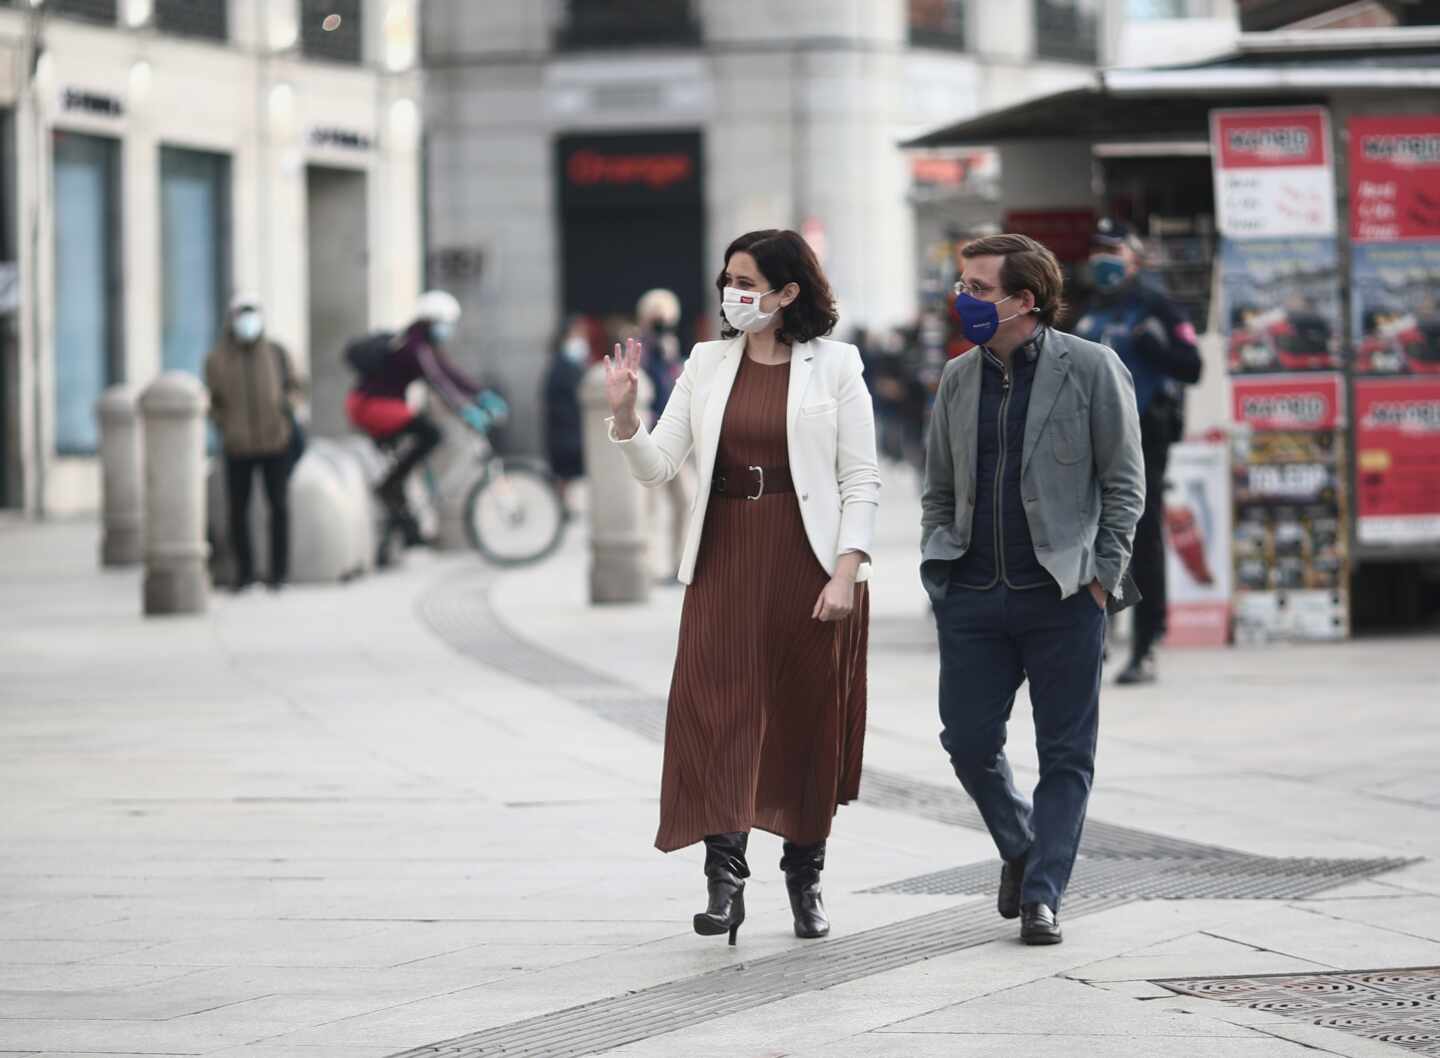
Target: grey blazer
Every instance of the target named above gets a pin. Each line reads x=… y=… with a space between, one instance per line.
x=1082 y=477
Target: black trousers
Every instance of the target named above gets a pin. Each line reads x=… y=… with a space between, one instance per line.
x=1148 y=563
x=239 y=477
x=419 y=437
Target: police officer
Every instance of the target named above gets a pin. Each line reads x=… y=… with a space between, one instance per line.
x=1155 y=339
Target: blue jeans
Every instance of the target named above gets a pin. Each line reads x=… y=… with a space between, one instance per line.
x=990 y=642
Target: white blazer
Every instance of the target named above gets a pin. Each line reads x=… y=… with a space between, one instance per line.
x=830 y=434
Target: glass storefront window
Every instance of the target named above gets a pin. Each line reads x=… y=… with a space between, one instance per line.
x=937 y=23
x=1068 y=30
x=88 y=347
x=331 y=30
x=628 y=23
x=193 y=18
x=195 y=254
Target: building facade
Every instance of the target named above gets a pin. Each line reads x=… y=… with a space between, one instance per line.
x=160 y=155
x=583 y=151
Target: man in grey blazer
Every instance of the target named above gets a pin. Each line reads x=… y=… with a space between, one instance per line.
x=1034 y=482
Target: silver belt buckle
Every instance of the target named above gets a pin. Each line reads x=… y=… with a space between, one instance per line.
x=761 y=472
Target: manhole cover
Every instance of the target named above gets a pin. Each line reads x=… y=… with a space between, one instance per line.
x=1399 y=1007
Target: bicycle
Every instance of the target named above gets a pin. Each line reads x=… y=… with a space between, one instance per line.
x=512 y=511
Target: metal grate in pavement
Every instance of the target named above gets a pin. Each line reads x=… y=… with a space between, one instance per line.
x=1399 y=1007
x=1230 y=876
x=617 y=1021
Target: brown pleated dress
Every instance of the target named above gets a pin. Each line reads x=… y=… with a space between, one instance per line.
x=766 y=721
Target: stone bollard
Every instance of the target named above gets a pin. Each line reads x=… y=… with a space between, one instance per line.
x=122 y=541
x=619 y=529
x=176 y=580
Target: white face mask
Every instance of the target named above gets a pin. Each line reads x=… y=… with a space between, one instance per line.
x=742 y=309
x=576 y=349
x=248 y=326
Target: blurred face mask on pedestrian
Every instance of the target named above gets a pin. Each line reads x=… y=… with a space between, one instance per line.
x=441 y=331
x=576 y=349
x=248 y=325
x=1108 y=271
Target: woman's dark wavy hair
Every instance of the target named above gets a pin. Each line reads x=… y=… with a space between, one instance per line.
x=785 y=257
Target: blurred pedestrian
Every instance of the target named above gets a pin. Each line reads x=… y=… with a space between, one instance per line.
x=766 y=718
x=658 y=315
x=563 y=436
x=254 y=388
x=386 y=366
x=1034 y=481
x=1157 y=343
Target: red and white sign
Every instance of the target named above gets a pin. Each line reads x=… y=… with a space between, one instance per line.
x=1273 y=172
x=1397 y=461
x=1394 y=178
x=1198 y=559
x=1289 y=402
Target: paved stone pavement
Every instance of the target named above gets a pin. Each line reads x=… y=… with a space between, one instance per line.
x=307 y=826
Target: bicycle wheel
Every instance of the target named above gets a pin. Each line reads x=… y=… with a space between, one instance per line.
x=513 y=515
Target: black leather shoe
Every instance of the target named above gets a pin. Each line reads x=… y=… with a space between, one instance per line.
x=725 y=873
x=1038 y=925
x=1012 y=874
x=1140 y=670
x=802 y=865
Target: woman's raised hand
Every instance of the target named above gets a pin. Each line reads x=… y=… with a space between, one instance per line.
x=622 y=385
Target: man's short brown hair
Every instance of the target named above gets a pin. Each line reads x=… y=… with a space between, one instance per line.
x=1027 y=266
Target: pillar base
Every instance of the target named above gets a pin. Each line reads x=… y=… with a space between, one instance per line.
x=183 y=589
x=619 y=573
x=122 y=547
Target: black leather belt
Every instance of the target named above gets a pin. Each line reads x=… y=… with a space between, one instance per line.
x=750 y=483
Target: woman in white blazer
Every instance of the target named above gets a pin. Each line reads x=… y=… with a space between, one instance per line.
x=766 y=719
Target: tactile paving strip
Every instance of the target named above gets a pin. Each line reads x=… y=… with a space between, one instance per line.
x=1226 y=876
x=1399 y=1007
x=609 y=1023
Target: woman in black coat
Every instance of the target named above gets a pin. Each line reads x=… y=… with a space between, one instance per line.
x=562 y=405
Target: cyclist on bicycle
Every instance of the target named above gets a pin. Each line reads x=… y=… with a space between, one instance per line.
x=387 y=366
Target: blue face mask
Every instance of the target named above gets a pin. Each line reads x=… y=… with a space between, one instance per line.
x=1108 y=272
x=441 y=331
x=981 y=319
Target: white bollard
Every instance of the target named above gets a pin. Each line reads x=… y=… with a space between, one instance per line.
x=619 y=529
x=176 y=580
x=122 y=541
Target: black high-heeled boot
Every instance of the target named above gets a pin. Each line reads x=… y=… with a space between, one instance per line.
x=725 y=873
x=802 y=865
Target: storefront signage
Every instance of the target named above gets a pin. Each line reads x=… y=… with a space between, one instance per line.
x=1395 y=244
x=1297 y=402
x=1397 y=461
x=1290 y=512
x=629 y=169
x=1394 y=178
x=1273 y=173
x=343 y=139
x=85 y=101
x=1065 y=231
x=1279 y=256
x=1197 y=537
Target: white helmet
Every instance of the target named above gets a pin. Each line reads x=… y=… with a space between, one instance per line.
x=437 y=306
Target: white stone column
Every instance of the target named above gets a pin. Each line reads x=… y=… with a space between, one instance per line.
x=122 y=493
x=619 y=529
x=176 y=580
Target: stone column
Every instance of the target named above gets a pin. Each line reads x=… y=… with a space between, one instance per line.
x=619 y=529
x=122 y=493
x=176 y=580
